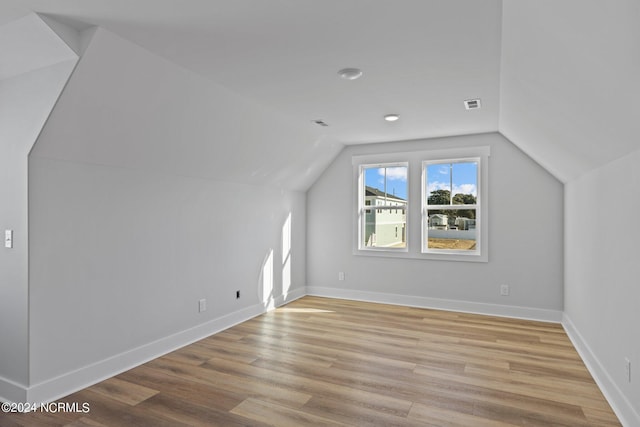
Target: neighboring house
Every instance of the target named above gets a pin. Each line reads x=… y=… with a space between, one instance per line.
x=439 y=221
x=387 y=226
x=444 y=222
x=449 y=227
x=463 y=223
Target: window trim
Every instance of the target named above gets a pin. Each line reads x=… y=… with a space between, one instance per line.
x=477 y=206
x=362 y=206
x=415 y=159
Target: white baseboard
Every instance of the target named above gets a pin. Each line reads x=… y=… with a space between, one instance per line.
x=71 y=382
x=528 y=313
x=11 y=391
x=619 y=403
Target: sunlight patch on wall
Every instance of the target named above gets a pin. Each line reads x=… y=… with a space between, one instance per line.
x=286 y=255
x=267 y=281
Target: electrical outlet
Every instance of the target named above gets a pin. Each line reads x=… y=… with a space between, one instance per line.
x=237 y=294
x=8 y=239
x=202 y=305
x=627 y=368
x=341 y=275
x=504 y=290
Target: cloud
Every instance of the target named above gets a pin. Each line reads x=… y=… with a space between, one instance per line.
x=465 y=189
x=436 y=185
x=397 y=173
x=461 y=188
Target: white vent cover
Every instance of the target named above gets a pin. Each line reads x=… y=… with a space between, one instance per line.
x=472 y=104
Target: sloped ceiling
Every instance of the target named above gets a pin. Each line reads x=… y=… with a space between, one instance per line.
x=421 y=58
x=126 y=107
x=570 y=81
x=557 y=78
x=28 y=44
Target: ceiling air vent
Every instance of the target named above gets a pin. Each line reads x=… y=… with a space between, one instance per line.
x=320 y=123
x=472 y=104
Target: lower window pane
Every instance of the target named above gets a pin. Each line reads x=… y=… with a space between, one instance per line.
x=385 y=228
x=451 y=229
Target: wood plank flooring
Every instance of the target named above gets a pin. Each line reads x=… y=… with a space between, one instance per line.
x=329 y=362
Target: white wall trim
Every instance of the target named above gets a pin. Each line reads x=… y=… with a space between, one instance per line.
x=11 y=391
x=440 y=304
x=71 y=382
x=619 y=403
x=84 y=377
x=415 y=162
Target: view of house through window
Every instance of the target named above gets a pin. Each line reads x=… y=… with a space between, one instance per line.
x=451 y=208
x=384 y=206
x=447 y=216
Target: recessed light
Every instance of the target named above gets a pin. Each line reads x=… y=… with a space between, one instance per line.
x=391 y=117
x=350 y=73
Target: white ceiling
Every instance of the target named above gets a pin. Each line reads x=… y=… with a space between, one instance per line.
x=559 y=79
x=570 y=81
x=28 y=44
x=421 y=58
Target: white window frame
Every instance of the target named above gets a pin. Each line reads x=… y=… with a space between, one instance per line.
x=477 y=206
x=416 y=202
x=362 y=207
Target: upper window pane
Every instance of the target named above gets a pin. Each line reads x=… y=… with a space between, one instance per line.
x=388 y=181
x=452 y=183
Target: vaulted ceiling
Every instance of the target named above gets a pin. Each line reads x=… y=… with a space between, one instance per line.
x=555 y=77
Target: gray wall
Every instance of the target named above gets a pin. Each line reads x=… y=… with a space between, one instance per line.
x=602 y=285
x=525 y=239
x=120 y=258
x=149 y=192
x=25 y=103
x=567 y=97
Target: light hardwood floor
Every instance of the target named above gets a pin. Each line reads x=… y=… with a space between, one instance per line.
x=329 y=362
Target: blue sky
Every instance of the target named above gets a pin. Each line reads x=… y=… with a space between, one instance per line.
x=396 y=180
x=438 y=177
x=465 y=178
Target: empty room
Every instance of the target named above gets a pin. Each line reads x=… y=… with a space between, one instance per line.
x=319 y=212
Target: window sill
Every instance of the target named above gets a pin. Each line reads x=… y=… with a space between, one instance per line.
x=406 y=254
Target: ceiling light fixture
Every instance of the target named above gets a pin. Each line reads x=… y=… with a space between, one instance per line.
x=391 y=117
x=350 y=73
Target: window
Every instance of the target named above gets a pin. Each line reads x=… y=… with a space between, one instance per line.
x=450 y=206
x=383 y=186
x=450 y=221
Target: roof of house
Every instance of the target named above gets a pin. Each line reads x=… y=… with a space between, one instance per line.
x=371 y=191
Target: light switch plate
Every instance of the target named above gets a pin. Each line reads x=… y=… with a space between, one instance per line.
x=8 y=239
